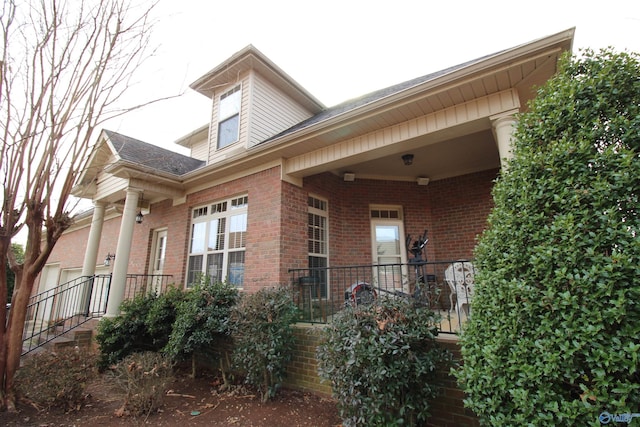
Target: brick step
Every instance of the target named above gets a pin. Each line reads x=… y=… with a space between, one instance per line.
x=79 y=337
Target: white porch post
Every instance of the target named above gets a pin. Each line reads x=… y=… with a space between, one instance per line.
x=123 y=250
x=503 y=128
x=91 y=254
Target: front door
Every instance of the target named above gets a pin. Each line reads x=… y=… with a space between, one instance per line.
x=388 y=250
x=159 y=255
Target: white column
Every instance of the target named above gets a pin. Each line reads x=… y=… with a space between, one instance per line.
x=123 y=250
x=91 y=254
x=503 y=128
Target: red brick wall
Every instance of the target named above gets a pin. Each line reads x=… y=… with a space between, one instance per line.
x=293 y=229
x=453 y=211
x=448 y=409
x=460 y=207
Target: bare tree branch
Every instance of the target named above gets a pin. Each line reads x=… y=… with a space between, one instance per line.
x=65 y=65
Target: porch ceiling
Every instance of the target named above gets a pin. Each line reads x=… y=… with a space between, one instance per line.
x=453 y=157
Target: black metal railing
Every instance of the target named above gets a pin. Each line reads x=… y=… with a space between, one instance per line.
x=59 y=310
x=444 y=286
x=140 y=284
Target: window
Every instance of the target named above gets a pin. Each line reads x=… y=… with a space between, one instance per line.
x=218 y=242
x=229 y=117
x=317 y=242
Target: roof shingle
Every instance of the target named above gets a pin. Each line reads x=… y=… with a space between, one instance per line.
x=152 y=156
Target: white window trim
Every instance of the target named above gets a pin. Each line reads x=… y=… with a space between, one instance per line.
x=206 y=218
x=221 y=119
x=325 y=214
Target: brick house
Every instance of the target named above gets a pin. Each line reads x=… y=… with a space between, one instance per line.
x=277 y=182
x=279 y=189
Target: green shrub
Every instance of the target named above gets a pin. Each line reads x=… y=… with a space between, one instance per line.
x=144 y=378
x=381 y=360
x=263 y=337
x=555 y=333
x=56 y=379
x=202 y=322
x=162 y=315
x=144 y=325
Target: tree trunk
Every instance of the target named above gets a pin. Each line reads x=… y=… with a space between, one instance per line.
x=13 y=336
x=3 y=319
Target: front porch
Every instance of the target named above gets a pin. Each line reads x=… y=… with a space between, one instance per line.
x=446 y=287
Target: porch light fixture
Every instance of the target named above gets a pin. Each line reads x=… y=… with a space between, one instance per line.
x=407 y=159
x=349 y=177
x=422 y=181
x=107 y=260
x=139 y=217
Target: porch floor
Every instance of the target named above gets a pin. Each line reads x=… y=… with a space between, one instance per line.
x=449 y=321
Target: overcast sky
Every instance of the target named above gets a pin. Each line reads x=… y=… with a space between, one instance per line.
x=340 y=49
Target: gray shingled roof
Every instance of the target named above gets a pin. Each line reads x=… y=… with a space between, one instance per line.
x=151 y=156
x=355 y=103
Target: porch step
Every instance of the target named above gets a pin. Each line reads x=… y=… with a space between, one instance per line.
x=79 y=337
x=60 y=343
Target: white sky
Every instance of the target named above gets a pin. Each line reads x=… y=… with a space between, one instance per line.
x=340 y=49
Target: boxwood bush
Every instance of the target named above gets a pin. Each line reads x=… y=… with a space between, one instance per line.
x=381 y=360
x=263 y=337
x=202 y=323
x=145 y=324
x=555 y=333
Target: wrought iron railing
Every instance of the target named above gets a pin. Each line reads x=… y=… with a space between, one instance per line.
x=140 y=284
x=446 y=287
x=59 y=310
x=67 y=306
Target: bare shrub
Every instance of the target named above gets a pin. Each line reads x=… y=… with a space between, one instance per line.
x=144 y=377
x=56 y=379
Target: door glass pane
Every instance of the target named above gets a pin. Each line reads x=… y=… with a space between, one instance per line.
x=388 y=243
x=160 y=253
x=388 y=251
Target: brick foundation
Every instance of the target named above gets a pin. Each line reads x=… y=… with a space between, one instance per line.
x=447 y=409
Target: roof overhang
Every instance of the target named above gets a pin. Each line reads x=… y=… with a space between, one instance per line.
x=507 y=79
x=249 y=58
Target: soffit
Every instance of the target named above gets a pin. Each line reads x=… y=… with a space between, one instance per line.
x=522 y=76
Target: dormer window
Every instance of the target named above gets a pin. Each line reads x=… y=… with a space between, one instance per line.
x=229 y=117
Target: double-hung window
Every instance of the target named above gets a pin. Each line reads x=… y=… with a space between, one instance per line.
x=317 y=243
x=229 y=117
x=218 y=242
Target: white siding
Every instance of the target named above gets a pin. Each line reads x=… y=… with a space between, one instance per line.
x=200 y=148
x=265 y=112
x=272 y=111
x=108 y=184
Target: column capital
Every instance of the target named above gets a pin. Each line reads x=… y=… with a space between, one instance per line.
x=508 y=115
x=132 y=190
x=503 y=125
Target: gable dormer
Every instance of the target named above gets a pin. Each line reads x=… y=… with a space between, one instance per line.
x=252 y=100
